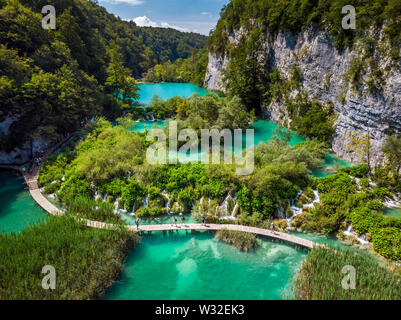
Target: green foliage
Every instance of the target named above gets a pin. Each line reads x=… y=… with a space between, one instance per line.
x=387 y=241
x=392 y=150
x=191 y=69
x=296 y=15
x=311 y=118
x=53 y=80
x=242 y=240
x=168 y=44
x=87 y=261
x=320 y=277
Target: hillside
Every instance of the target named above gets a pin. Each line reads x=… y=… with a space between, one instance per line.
x=294 y=63
x=52 y=80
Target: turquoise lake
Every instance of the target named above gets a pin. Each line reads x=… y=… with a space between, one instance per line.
x=167 y=90
x=198 y=266
x=17 y=208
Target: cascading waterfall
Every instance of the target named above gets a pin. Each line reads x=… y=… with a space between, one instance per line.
x=348 y=232
x=145 y=200
x=165 y=194
x=296 y=210
x=234 y=210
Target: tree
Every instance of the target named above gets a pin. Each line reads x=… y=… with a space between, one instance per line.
x=119 y=80
x=360 y=145
x=392 y=150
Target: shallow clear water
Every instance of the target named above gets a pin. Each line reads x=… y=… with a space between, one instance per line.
x=142 y=126
x=264 y=130
x=17 y=209
x=168 y=90
x=197 y=266
x=392 y=212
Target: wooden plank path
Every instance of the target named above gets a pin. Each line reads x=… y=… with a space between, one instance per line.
x=31 y=180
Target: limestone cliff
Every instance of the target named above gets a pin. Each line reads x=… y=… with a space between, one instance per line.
x=324 y=76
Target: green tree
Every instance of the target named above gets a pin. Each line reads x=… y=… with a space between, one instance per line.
x=119 y=80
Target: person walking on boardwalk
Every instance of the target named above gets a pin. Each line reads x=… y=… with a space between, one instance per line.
x=272 y=227
x=137 y=223
x=174 y=221
x=182 y=219
x=203 y=219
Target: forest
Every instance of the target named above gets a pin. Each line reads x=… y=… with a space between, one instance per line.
x=76 y=71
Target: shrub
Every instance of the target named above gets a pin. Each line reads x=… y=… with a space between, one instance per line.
x=242 y=240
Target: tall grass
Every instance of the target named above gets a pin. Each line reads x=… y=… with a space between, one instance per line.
x=86 y=260
x=242 y=240
x=320 y=277
x=91 y=209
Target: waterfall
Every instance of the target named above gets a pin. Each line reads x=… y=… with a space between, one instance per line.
x=348 y=232
x=167 y=206
x=224 y=205
x=315 y=200
x=296 y=210
x=281 y=214
x=145 y=200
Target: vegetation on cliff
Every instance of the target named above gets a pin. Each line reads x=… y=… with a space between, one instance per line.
x=296 y=15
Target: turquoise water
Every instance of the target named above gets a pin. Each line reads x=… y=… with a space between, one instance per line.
x=197 y=266
x=142 y=126
x=168 y=90
x=264 y=130
x=130 y=220
x=392 y=212
x=17 y=208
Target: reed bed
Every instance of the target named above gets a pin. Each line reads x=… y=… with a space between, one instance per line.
x=241 y=240
x=320 y=277
x=86 y=261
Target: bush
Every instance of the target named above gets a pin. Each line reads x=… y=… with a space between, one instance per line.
x=242 y=240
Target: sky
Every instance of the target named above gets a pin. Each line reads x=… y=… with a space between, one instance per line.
x=185 y=15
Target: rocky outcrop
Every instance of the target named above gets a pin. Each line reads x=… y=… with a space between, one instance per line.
x=324 y=71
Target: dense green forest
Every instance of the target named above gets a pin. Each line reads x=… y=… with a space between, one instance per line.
x=170 y=44
x=295 y=15
x=192 y=69
x=52 y=80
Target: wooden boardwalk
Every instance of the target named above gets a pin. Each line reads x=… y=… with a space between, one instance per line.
x=31 y=180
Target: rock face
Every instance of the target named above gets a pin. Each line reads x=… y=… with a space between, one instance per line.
x=324 y=71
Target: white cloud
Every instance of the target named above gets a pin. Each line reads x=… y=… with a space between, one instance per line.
x=204 y=13
x=146 y=22
x=130 y=2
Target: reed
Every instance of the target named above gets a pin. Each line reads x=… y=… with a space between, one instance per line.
x=320 y=277
x=86 y=261
x=241 y=240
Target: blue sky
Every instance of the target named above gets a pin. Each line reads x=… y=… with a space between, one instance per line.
x=185 y=15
